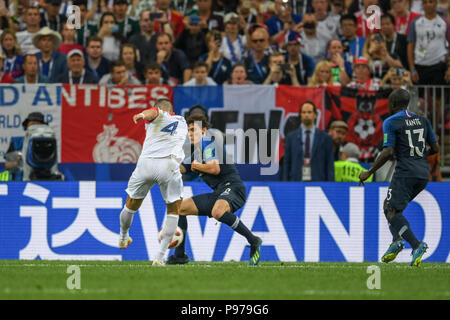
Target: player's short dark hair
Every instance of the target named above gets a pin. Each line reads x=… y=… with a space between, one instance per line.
x=348 y=17
x=196 y=118
x=399 y=99
x=388 y=16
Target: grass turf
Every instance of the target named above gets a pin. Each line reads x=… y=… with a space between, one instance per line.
x=221 y=280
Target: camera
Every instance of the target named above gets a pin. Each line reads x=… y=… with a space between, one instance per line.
x=378 y=38
x=194 y=19
x=346 y=45
x=155 y=15
x=285 y=67
x=399 y=72
x=217 y=37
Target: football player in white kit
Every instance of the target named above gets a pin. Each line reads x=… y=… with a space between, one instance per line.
x=159 y=163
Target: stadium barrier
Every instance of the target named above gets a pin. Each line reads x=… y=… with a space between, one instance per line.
x=297 y=222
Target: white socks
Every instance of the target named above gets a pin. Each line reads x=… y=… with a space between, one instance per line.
x=166 y=235
x=126 y=217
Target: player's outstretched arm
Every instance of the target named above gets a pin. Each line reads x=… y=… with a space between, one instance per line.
x=148 y=114
x=386 y=154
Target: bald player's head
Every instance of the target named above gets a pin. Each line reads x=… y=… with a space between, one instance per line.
x=398 y=100
x=164 y=104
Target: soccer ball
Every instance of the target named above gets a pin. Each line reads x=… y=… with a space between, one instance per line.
x=176 y=239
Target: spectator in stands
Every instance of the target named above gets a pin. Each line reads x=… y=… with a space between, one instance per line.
x=5 y=77
x=338 y=7
x=192 y=41
x=402 y=16
x=397 y=78
x=233 y=46
x=328 y=22
x=51 y=16
x=257 y=61
x=200 y=76
x=303 y=64
x=379 y=58
x=247 y=14
x=76 y=73
x=347 y=169
x=341 y=69
x=308 y=151
x=112 y=38
x=173 y=61
x=362 y=78
x=361 y=19
x=283 y=21
x=395 y=42
x=280 y=71
x=6 y=21
x=312 y=44
x=95 y=61
x=118 y=75
x=238 y=75
x=427 y=47
x=323 y=75
x=12 y=57
x=153 y=74
x=51 y=62
x=128 y=26
x=31 y=71
x=88 y=25
x=68 y=40
x=32 y=20
x=337 y=131
x=353 y=44
x=169 y=16
x=145 y=41
x=208 y=19
x=128 y=55
x=219 y=66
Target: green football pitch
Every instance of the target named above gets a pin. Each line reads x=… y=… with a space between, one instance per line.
x=221 y=280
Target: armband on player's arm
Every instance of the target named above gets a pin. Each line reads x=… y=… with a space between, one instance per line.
x=211 y=167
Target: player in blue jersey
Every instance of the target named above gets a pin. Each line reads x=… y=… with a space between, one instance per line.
x=410 y=138
x=228 y=196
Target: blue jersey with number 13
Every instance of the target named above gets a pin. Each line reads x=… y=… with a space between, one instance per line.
x=409 y=133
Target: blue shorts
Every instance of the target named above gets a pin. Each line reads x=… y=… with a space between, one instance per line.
x=402 y=191
x=234 y=193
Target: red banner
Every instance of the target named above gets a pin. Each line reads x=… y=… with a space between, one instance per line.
x=290 y=98
x=364 y=112
x=97 y=123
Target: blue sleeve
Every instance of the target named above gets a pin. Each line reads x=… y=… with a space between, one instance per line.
x=388 y=133
x=272 y=26
x=412 y=31
x=431 y=138
x=310 y=65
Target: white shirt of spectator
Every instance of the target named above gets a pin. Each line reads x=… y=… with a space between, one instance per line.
x=111 y=48
x=329 y=28
x=165 y=136
x=193 y=82
x=430 y=40
x=238 y=47
x=25 y=43
x=314 y=47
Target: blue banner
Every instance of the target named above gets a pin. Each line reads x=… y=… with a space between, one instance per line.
x=297 y=222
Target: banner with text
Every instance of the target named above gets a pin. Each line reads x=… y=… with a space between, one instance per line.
x=297 y=222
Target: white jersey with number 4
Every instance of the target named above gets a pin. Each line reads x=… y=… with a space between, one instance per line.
x=165 y=136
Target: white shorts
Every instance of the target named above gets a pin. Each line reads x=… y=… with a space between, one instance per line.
x=163 y=171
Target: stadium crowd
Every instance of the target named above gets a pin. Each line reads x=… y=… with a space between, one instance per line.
x=212 y=42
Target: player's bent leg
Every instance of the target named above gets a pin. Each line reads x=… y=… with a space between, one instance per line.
x=126 y=218
x=222 y=212
x=188 y=207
